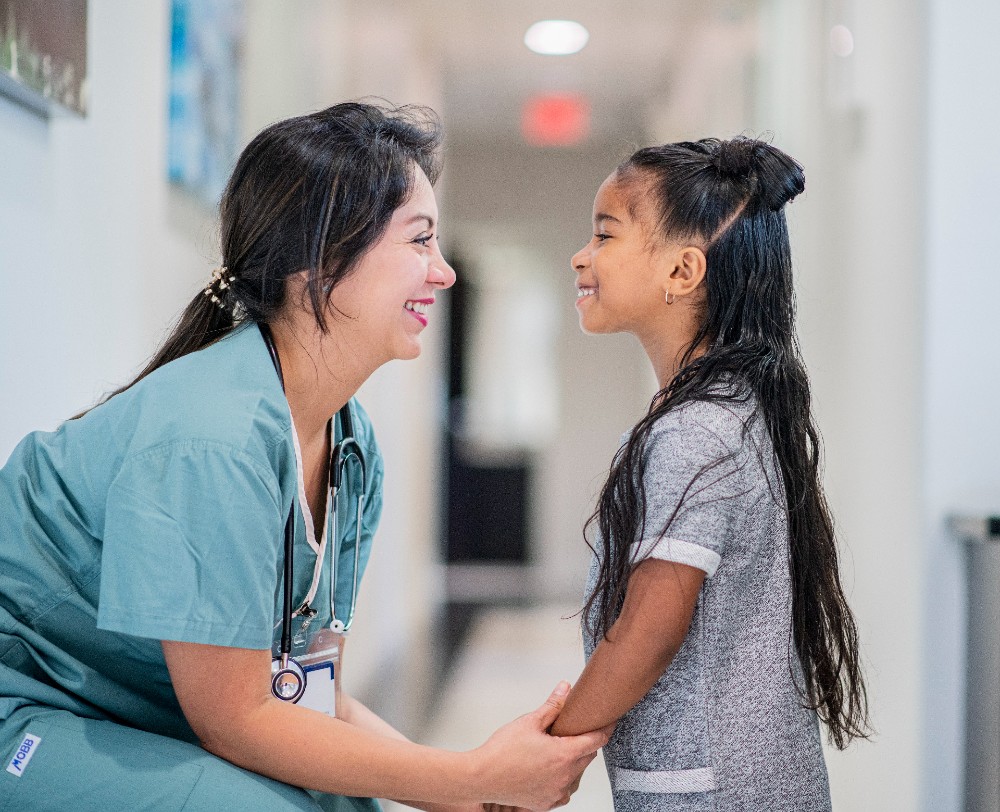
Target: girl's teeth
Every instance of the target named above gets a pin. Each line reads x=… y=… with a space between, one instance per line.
x=417 y=307
x=581 y=292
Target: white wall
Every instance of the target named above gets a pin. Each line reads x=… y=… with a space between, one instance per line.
x=91 y=268
x=857 y=236
x=962 y=338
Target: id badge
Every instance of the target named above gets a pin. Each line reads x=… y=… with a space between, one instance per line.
x=322 y=665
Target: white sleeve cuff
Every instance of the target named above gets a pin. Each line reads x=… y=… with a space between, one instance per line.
x=681 y=552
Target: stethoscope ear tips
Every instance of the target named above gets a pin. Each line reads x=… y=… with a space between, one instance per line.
x=289 y=683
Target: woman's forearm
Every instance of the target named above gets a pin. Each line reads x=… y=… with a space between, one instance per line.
x=358 y=714
x=309 y=749
x=242 y=722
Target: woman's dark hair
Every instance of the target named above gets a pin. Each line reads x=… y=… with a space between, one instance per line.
x=311 y=193
x=729 y=196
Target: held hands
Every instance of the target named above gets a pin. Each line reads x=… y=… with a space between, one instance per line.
x=522 y=766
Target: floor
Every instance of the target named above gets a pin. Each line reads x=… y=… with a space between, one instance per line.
x=508 y=661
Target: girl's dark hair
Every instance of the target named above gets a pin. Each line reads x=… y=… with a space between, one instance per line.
x=729 y=196
x=309 y=193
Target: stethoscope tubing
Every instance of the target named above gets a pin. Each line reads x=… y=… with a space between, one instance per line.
x=339 y=456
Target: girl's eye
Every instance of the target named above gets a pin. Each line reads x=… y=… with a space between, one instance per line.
x=601 y=237
x=424 y=240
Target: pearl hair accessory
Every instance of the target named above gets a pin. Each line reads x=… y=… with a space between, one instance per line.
x=221 y=279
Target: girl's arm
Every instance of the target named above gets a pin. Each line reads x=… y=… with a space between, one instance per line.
x=225 y=694
x=654 y=620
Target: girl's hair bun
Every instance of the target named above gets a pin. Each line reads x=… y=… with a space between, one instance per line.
x=735 y=159
x=779 y=178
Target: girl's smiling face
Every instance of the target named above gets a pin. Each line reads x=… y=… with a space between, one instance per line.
x=390 y=293
x=620 y=272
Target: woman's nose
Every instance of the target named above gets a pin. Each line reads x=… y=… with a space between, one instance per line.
x=441 y=273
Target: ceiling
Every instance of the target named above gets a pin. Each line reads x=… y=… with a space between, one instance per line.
x=643 y=55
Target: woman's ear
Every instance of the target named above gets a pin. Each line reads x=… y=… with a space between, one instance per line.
x=686 y=271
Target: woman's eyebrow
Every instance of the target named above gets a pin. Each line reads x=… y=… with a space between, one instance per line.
x=415 y=217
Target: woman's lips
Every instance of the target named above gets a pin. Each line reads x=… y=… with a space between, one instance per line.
x=418 y=309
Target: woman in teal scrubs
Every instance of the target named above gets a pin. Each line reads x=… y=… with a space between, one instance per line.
x=141 y=544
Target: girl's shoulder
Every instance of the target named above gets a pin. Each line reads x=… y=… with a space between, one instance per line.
x=724 y=425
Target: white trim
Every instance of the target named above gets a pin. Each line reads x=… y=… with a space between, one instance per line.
x=701 y=779
x=307 y=519
x=682 y=552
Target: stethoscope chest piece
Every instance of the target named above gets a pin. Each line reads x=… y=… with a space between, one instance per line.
x=288 y=683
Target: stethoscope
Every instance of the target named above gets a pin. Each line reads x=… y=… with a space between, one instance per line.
x=288 y=682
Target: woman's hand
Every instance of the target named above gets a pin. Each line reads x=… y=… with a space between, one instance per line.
x=522 y=766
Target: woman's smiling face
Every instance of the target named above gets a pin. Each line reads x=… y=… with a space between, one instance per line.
x=617 y=280
x=390 y=293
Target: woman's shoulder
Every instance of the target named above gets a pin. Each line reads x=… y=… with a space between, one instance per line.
x=226 y=394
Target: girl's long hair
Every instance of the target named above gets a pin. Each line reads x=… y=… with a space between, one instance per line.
x=311 y=193
x=730 y=197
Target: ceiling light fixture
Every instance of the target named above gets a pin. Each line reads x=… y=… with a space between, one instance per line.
x=841 y=40
x=556 y=37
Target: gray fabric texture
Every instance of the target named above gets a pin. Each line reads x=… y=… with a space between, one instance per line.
x=727 y=701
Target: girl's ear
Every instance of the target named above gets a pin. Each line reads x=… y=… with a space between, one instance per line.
x=686 y=270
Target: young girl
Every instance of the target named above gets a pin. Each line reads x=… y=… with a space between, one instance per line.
x=715 y=626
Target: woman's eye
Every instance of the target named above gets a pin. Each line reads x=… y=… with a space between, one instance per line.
x=424 y=240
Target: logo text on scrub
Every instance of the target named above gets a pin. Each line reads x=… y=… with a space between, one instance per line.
x=25 y=751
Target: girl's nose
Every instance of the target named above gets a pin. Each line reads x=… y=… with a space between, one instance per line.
x=580 y=260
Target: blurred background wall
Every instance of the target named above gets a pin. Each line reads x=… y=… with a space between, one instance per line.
x=893 y=244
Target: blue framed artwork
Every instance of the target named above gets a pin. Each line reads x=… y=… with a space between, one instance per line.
x=206 y=55
x=43 y=54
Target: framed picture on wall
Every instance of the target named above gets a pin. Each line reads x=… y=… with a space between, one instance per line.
x=206 y=56
x=43 y=54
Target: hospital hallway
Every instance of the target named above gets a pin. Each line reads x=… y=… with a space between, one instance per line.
x=509 y=661
x=498 y=438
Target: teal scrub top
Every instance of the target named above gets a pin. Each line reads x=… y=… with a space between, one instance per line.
x=160 y=515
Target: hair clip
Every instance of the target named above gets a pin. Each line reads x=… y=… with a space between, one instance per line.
x=222 y=280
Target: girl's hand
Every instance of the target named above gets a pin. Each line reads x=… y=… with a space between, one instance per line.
x=522 y=766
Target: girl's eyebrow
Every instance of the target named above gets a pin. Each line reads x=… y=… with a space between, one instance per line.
x=602 y=218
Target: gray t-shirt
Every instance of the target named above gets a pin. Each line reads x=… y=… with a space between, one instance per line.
x=723 y=728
